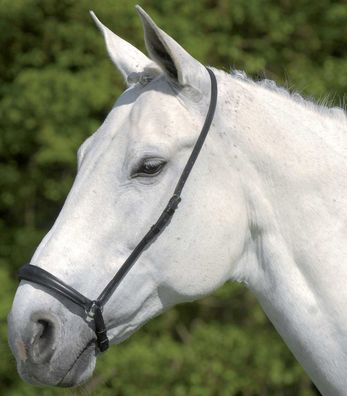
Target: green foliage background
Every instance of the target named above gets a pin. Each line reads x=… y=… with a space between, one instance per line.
x=57 y=85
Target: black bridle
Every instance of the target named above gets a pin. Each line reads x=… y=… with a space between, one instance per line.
x=94 y=308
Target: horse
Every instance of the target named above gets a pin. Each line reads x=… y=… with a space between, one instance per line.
x=265 y=204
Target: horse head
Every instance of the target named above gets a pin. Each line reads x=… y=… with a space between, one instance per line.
x=126 y=173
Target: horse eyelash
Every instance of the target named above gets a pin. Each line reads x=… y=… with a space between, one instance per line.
x=138 y=167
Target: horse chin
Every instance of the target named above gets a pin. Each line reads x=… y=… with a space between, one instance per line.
x=77 y=373
x=81 y=369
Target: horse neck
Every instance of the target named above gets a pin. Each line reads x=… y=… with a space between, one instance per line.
x=293 y=165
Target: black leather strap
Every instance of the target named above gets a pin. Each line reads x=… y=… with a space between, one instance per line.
x=44 y=278
x=172 y=205
x=93 y=308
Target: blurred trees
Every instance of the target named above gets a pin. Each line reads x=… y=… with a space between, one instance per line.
x=57 y=85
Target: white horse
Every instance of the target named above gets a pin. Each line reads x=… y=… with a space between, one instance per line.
x=265 y=205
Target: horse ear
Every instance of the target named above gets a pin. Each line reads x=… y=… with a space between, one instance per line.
x=129 y=60
x=178 y=65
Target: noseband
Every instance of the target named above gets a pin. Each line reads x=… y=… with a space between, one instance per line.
x=94 y=308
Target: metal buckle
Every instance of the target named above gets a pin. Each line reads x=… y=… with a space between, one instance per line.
x=90 y=310
x=172 y=205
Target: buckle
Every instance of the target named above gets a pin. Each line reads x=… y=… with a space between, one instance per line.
x=166 y=214
x=90 y=310
x=172 y=204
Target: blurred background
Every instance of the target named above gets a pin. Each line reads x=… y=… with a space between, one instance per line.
x=56 y=86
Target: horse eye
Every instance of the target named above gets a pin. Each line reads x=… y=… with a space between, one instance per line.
x=149 y=167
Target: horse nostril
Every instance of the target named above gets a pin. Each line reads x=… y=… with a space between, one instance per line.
x=42 y=343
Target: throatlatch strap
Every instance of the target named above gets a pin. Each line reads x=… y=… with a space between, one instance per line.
x=94 y=308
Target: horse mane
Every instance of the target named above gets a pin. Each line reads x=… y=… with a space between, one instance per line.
x=322 y=107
